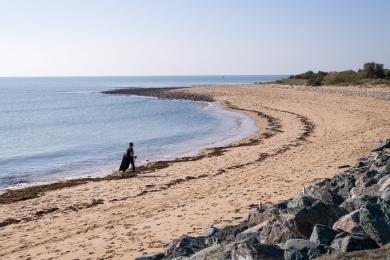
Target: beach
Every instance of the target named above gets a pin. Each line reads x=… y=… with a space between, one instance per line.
x=304 y=134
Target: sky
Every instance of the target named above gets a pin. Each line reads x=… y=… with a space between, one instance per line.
x=190 y=37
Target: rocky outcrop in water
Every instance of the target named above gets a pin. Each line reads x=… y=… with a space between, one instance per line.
x=332 y=217
x=165 y=93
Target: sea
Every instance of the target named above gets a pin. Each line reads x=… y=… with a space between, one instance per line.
x=56 y=128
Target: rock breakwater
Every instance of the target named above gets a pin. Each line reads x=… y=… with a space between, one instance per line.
x=346 y=214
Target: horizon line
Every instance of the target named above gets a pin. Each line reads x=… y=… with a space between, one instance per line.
x=173 y=75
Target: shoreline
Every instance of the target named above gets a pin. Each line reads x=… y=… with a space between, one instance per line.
x=305 y=136
x=15 y=194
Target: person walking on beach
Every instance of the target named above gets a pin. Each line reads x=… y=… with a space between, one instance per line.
x=128 y=158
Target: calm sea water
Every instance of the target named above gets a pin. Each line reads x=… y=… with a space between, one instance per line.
x=56 y=128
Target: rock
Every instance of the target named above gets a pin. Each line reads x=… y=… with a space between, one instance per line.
x=385 y=195
x=381 y=159
x=378 y=177
x=385 y=207
x=318 y=213
x=248 y=250
x=323 y=191
x=322 y=234
x=385 y=183
x=382 y=165
x=364 y=162
x=343 y=183
x=282 y=206
x=296 y=249
x=227 y=234
x=383 y=170
x=380 y=146
x=300 y=202
x=278 y=230
x=252 y=233
x=153 y=256
x=369 y=191
x=353 y=242
x=383 y=180
x=375 y=222
x=210 y=230
x=217 y=251
x=349 y=223
x=355 y=202
x=186 y=246
x=368 y=179
x=379 y=254
x=258 y=216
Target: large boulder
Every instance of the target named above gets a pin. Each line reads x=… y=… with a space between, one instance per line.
x=341 y=184
x=278 y=230
x=352 y=242
x=381 y=158
x=300 y=202
x=258 y=216
x=252 y=233
x=384 y=179
x=381 y=145
x=384 y=183
x=322 y=234
x=369 y=191
x=375 y=221
x=384 y=170
x=385 y=195
x=217 y=251
x=325 y=192
x=381 y=164
x=368 y=178
x=318 y=213
x=255 y=251
x=378 y=254
x=276 y=225
x=186 y=246
x=356 y=202
x=210 y=230
x=297 y=249
x=364 y=163
x=349 y=223
x=226 y=234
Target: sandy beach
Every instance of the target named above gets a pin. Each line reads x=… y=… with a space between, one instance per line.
x=304 y=134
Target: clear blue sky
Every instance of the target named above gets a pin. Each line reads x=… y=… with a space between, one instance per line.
x=189 y=37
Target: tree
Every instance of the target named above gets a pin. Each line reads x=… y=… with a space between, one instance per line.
x=373 y=70
x=387 y=74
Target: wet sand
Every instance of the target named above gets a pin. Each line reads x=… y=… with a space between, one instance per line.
x=305 y=135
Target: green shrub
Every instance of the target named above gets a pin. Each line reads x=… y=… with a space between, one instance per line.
x=307 y=75
x=373 y=70
x=315 y=81
x=387 y=74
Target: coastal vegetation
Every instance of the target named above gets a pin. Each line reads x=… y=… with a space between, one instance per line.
x=371 y=74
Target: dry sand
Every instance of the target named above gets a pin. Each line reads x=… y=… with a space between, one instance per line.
x=304 y=135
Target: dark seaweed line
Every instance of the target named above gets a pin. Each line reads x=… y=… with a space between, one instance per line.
x=308 y=127
x=275 y=128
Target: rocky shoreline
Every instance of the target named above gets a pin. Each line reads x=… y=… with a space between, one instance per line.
x=331 y=218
